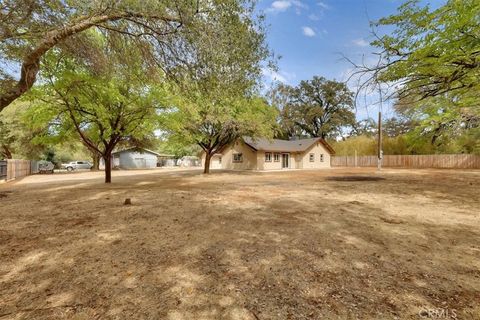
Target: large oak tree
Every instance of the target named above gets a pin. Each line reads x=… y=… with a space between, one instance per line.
x=315 y=108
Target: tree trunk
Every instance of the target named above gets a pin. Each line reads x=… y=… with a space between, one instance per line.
x=6 y=152
x=96 y=162
x=108 y=167
x=206 y=168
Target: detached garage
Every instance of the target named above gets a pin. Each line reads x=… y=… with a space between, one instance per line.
x=135 y=158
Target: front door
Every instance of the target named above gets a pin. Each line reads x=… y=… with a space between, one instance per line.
x=285 y=160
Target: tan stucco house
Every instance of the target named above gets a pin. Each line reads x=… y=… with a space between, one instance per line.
x=264 y=154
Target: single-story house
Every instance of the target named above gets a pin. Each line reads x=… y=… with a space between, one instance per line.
x=133 y=158
x=265 y=154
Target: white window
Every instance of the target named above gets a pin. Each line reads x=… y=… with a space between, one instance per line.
x=237 y=157
x=321 y=157
x=312 y=157
x=276 y=157
x=268 y=157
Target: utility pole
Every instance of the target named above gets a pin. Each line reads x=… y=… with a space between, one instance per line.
x=380 y=151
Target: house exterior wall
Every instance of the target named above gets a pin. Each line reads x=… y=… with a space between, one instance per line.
x=298 y=160
x=249 y=158
x=215 y=161
x=255 y=160
x=317 y=149
x=272 y=165
x=295 y=161
x=137 y=160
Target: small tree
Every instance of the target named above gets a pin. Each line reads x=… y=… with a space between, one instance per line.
x=121 y=103
x=215 y=121
x=217 y=103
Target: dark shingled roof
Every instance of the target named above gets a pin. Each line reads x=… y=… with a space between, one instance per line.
x=278 y=145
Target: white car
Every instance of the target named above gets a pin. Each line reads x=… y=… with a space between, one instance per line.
x=75 y=165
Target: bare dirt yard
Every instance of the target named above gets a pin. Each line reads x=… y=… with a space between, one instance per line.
x=340 y=243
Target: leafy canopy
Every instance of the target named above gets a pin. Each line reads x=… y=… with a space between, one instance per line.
x=213 y=119
x=432 y=52
x=176 y=35
x=316 y=108
x=107 y=103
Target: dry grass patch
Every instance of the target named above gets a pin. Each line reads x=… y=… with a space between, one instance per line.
x=280 y=245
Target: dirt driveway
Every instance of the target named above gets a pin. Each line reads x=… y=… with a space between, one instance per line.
x=341 y=243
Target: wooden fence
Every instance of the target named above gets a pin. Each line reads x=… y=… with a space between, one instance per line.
x=12 y=169
x=453 y=161
x=3 y=170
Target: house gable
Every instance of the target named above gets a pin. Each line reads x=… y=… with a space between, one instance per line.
x=315 y=157
x=228 y=157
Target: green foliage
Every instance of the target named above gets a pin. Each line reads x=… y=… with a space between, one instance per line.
x=179 y=36
x=121 y=102
x=315 y=108
x=177 y=147
x=117 y=103
x=18 y=139
x=212 y=122
x=397 y=126
x=433 y=52
x=367 y=146
x=7 y=138
x=364 y=145
x=434 y=57
x=441 y=125
x=365 y=127
x=416 y=141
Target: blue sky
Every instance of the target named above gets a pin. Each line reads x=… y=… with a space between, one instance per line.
x=311 y=36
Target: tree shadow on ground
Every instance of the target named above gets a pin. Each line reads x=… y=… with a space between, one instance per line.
x=231 y=247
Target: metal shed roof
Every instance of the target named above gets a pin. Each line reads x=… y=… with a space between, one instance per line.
x=134 y=149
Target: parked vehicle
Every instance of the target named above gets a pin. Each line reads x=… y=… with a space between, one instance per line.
x=75 y=165
x=45 y=166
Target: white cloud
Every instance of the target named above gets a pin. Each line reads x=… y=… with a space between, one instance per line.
x=280 y=5
x=323 y=5
x=284 y=5
x=360 y=42
x=309 y=32
x=299 y=4
x=313 y=17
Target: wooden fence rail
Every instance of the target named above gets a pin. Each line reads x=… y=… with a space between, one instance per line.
x=12 y=169
x=453 y=161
